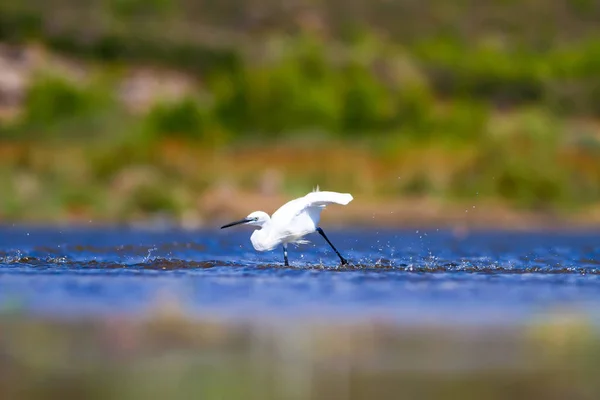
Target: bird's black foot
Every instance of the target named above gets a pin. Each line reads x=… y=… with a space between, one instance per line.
x=342 y=259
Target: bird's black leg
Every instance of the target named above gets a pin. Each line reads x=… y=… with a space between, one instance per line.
x=287 y=264
x=342 y=259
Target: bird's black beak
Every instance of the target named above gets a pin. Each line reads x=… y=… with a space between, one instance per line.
x=241 y=221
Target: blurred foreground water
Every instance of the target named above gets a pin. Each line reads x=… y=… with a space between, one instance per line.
x=120 y=313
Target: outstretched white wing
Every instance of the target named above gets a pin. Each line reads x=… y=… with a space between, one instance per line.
x=322 y=199
x=302 y=215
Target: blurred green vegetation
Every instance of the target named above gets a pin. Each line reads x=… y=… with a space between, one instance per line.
x=495 y=100
x=168 y=355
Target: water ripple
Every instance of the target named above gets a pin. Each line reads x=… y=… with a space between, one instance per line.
x=390 y=273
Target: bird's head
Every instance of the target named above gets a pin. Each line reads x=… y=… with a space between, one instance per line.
x=257 y=218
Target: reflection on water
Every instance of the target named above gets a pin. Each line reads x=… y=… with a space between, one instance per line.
x=166 y=355
x=115 y=313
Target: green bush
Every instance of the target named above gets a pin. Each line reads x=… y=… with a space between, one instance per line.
x=18 y=24
x=57 y=108
x=184 y=118
x=483 y=72
x=137 y=8
x=366 y=103
x=518 y=161
x=295 y=90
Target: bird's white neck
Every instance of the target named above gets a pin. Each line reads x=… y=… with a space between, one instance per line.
x=261 y=239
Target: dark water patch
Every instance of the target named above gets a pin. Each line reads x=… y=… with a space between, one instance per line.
x=59 y=263
x=159 y=263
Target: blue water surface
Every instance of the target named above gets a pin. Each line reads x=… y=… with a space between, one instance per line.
x=406 y=276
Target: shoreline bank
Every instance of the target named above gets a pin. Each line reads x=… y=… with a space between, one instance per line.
x=402 y=213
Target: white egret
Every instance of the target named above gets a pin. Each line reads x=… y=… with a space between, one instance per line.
x=292 y=221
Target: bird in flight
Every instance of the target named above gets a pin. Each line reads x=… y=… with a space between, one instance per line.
x=292 y=221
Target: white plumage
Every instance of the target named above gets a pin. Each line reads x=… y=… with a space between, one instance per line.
x=292 y=221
